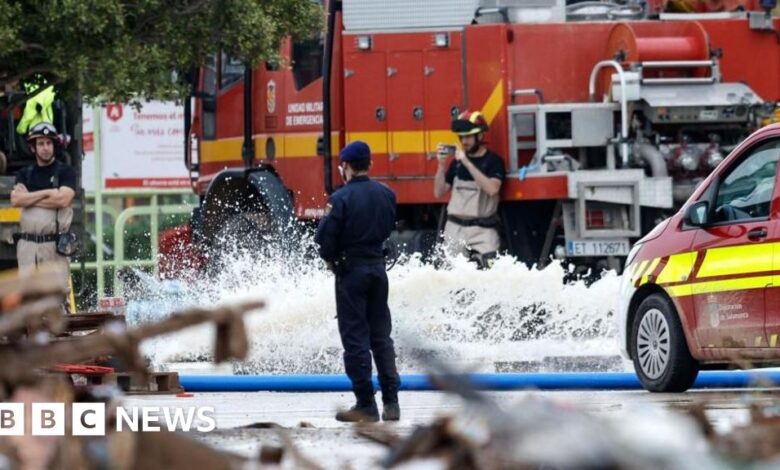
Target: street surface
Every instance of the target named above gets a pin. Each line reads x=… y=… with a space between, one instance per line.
x=334 y=444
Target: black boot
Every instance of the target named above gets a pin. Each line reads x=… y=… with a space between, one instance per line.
x=364 y=411
x=391 y=411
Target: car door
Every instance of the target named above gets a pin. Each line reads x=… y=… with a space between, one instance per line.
x=734 y=252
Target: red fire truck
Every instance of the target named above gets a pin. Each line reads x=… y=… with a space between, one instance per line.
x=608 y=116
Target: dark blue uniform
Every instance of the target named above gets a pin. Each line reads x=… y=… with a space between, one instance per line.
x=351 y=236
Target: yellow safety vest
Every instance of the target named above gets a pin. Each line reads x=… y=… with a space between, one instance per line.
x=38 y=109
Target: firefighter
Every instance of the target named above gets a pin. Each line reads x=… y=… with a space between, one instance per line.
x=475 y=176
x=45 y=192
x=359 y=219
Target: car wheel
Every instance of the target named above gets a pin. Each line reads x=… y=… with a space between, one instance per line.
x=662 y=360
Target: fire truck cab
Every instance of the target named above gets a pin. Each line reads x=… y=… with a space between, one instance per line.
x=607 y=116
x=701 y=290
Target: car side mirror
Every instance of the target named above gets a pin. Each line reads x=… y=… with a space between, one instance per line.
x=697 y=215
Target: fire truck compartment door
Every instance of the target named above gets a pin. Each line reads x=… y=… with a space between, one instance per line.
x=365 y=104
x=443 y=100
x=653 y=192
x=406 y=113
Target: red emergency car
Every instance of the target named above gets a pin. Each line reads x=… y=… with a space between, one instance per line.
x=702 y=290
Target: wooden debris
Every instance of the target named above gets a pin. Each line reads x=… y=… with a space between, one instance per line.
x=297 y=458
x=271 y=454
x=40 y=347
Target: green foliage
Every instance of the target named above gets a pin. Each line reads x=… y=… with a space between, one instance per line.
x=121 y=50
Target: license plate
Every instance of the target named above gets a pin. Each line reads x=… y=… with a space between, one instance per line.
x=618 y=247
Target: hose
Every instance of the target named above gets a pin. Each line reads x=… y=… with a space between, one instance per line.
x=655 y=159
x=495 y=382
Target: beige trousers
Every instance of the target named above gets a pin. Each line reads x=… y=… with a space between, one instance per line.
x=459 y=239
x=468 y=201
x=32 y=256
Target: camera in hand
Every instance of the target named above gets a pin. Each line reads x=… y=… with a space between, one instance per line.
x=449 y=149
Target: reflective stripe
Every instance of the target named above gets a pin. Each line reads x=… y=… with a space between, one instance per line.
x=494 y=102
x=679 y=291
x=726 y=285
x=376 y=140
x=677 y=269
x=649 y=272
x=287 y=145
x=407 y=142
x=733 y=260
x=639 y=268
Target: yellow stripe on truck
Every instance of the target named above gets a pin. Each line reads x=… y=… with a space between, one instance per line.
x=376 y=140
x=10 y=214
x=222 y=150
x=407 y=142
x=300 y=146
x=287 y=145
x=304 y=144
x=732 y=260
x=494 y=102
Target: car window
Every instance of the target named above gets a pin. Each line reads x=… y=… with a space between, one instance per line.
x=746 y=191
x=232 y=71
x=307 y=61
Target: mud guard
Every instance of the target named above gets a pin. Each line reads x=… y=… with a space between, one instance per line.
x=235 y=192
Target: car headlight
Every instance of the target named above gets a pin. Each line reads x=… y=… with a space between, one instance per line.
x=632 y=254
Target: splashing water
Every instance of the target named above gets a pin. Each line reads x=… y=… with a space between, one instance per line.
x=480 y=320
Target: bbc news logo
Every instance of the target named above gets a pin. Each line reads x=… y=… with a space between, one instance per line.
x=89 y=419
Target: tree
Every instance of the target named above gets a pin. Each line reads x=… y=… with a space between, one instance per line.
x=121 y=50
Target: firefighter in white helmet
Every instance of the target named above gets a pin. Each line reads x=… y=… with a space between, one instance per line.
x=474 y=176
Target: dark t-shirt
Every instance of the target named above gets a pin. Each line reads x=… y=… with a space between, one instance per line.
x=37 y=178
x=490 y=164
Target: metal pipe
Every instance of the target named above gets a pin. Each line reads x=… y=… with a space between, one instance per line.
x=327 y=66
x=500 y=381
x=141 y=192
x=97 y=155
x=623 y=102
x=187 y=131
x=119 y=234
x=659 y=64
x=248 y=147
x=655 y=158
x=154 y=229
x=528 y=92
x=107 y=209
x=678 y=81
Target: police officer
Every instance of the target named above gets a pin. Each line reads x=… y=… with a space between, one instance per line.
x=45 y=192
x=359 y=218
x=475 y=176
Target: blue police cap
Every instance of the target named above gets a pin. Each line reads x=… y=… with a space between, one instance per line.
x=357 y=150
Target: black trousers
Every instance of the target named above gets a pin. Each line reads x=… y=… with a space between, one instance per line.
x=365 y=326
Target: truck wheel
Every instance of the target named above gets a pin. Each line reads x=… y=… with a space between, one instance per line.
x=662 y=360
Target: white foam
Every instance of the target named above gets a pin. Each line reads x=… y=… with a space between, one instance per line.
x=475 y=318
